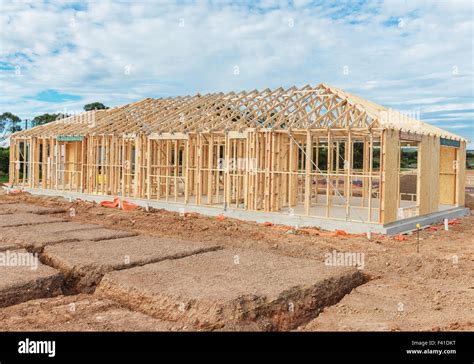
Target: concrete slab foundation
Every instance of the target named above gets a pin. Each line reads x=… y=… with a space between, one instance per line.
x=425 y=220
x=292 y=219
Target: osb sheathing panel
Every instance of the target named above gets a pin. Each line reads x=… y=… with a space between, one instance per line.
x=447 y=179
x=428 y=175
x=391 y=149
x=461 y=175
x=447 y=189
x=447 y=156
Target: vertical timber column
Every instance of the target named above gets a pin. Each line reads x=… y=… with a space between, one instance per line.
x=390 y=151
x=246 y=171
x=11 y=166
x=210 y=166
x=122 y=170
x=309 y=165
x=51 y=163
x=460 y=174
x=187 y=184
x=328 y=173
x=291 y=162
x=32 y=163
x=268 y=151
x=348 y=171
x=227 y=180
x=24 y=163
x=83 y=163
x=434 y=180
x=148 y=168
x=371 y=165
x=199 y=165
x=428 y=175
x=136 y=179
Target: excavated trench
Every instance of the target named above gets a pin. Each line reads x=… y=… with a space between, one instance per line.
x=208 y=293
x=253 y=310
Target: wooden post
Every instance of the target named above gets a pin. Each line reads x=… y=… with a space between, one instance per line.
x=148 y=167
x=328 y=174
x=12 y=162
x=460 y=174
x=348 y=171
x=308 y=189
x=210 y=167
x=371 y=163
x=389 y=170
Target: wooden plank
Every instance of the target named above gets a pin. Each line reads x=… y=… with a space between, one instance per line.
x=428 y=175
x=328 y=173
x=371 y=164
x=308 y=169
x=169 y=136
x=148 y=168
x=389 y=170
x=461 y=174
x=348 y=171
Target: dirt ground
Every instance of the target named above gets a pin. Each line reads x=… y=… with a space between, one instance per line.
x=430 y=290
x=266 y=291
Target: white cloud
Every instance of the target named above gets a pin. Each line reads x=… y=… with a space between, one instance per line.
x=174 y=49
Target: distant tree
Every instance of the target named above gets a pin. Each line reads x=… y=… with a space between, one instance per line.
x=10 y=121
x=4 y=160
x=95 y=106
x=45 y=119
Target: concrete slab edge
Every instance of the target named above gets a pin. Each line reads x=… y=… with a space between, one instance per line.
x=355 y=227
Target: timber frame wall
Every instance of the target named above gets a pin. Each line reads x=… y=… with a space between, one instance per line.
x=289 y=151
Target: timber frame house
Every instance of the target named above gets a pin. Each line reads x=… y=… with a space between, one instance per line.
x=310 y=151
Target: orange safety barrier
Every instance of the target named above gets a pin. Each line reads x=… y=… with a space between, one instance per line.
x=341 y=233
x=111 y=204
x=117 y=202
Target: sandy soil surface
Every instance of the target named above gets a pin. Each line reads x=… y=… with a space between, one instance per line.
x=83 y=263
x=81 y=312
x=6 y=209
x=213 y=289
x=24 y=219
x=27 y=280
x=429 y=290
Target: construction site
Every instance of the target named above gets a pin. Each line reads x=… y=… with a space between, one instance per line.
x=310 y=156
x=275 y=210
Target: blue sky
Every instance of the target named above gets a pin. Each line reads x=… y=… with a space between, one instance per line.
x=413 y=56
